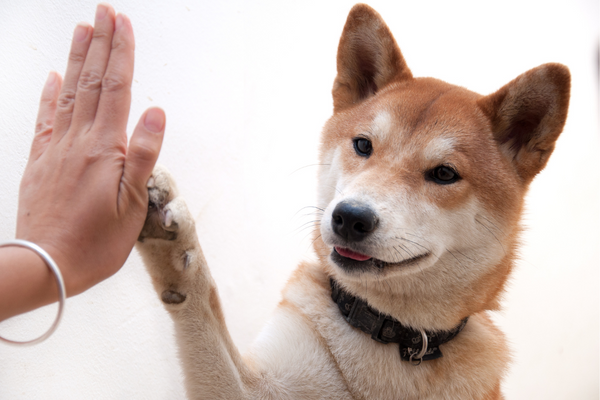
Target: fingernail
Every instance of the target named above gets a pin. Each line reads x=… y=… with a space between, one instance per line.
x=101 y=11
x=155 y=120
x=51 y=80
x=81 y=32
x=119 y=22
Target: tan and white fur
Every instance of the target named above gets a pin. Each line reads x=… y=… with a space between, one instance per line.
x=444 y=248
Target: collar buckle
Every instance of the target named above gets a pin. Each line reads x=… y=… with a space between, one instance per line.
x=416 y=358
x=376 y=334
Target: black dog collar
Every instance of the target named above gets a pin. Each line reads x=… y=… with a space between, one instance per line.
x=415 y=345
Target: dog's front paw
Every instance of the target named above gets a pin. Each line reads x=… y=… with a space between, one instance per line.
x=161 y=220
x=168 y=243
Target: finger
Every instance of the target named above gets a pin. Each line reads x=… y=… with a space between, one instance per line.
x=45 y=118
x=143 y=151
x=89 y=83
x=80 y=44
x=115 y=97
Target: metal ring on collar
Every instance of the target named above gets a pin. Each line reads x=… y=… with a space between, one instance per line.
x=59 y=281
x=417 y=358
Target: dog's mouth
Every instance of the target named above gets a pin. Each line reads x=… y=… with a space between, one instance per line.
x=351 y=260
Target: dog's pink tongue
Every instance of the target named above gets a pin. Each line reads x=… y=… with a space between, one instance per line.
x=351 y=254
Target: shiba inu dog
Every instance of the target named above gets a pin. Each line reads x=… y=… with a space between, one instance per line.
x=421 y=188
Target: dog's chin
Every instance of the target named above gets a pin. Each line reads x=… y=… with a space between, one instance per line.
x=352 y=265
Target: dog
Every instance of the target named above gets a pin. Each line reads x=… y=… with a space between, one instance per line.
x=420 y=191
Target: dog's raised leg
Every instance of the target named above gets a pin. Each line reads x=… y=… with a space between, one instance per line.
x=169 y=247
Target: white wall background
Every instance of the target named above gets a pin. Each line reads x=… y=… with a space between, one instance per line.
x=246 y=87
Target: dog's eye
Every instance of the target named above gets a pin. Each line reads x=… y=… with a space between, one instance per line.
x=443 y=175
x=363 y=147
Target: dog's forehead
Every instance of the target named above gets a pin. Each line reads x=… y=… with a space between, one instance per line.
x=433 y=125
x=436 y=139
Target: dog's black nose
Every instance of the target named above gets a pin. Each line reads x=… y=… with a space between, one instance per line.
x=353 y=221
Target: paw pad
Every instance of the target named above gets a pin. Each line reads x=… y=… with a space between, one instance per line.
x=172 y=297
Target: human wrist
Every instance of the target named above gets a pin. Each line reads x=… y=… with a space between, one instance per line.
x=26 y=282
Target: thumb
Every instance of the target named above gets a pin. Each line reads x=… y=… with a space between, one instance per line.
x=144 y=147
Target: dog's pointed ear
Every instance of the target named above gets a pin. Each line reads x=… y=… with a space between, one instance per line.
x=527 y=116
x=368 y=58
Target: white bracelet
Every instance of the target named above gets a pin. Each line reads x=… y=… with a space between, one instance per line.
x=59 y=281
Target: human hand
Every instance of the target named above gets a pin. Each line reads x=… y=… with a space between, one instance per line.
x=83 y=195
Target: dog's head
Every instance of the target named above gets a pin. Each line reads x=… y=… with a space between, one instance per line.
x=422 y=182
